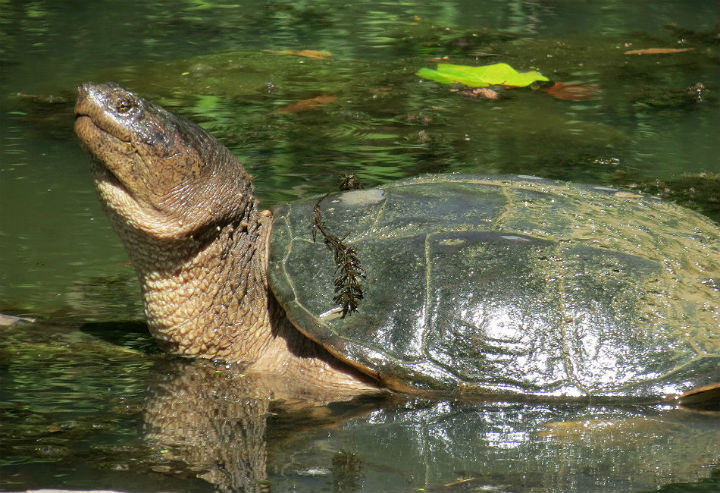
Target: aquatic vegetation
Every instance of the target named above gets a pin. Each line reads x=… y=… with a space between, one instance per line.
x=497 y=74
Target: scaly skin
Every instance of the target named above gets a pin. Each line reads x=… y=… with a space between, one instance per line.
x=185 y=210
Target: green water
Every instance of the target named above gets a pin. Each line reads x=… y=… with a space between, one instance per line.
x=80 y=390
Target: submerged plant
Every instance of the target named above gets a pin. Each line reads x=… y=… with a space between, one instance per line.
x=350 y=182
x=348 y=270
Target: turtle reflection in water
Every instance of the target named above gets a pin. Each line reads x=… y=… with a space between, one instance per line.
x=510 y=286
x=222 y=424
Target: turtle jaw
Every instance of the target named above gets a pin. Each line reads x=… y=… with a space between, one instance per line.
x=109 y=141
x=89 y=134
x=102 y=135
x=97 y=106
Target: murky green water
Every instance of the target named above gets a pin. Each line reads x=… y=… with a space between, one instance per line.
x=84 y=395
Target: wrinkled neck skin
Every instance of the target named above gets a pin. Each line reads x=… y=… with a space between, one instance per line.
x=207 y=296
x=205 y=281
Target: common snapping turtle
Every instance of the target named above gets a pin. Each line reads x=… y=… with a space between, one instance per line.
x=503 y=285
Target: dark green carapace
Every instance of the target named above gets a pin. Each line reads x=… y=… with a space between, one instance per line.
x=511 y=285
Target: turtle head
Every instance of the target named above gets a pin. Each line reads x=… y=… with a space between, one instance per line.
x=157 y=172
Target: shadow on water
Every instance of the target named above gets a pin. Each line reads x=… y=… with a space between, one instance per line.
x=131 y=334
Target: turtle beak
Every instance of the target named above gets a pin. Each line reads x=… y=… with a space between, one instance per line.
x=94 y=105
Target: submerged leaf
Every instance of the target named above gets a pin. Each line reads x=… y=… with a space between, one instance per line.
x=306 y=104
x=318 y=55
x=656 y=51
x=572 y=92
x=498 y=74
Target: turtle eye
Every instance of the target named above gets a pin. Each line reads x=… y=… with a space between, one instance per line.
x=123 y=105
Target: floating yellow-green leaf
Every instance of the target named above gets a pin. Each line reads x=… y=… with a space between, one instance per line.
x=497 y=74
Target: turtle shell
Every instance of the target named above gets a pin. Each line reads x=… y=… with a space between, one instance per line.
x=510 y=285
